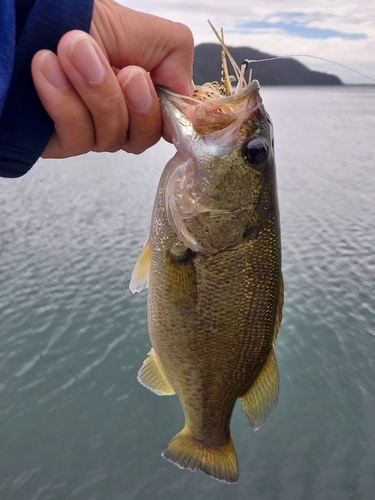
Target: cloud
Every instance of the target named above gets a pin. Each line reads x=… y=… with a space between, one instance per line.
x=297 y=24
x=340 y=30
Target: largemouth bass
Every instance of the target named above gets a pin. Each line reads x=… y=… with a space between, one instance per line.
x=213 y=268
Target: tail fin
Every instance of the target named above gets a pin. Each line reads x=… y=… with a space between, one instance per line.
x=188 y=453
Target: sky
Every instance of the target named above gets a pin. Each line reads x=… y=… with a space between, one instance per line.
x=340 y=30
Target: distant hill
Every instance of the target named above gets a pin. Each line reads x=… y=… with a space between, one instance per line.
x=207 y=67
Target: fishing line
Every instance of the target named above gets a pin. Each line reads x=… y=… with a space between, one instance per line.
x=250 y=61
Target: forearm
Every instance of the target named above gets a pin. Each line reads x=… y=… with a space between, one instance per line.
x=25 y=126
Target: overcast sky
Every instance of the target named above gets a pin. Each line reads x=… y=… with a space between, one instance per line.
x=340 y=30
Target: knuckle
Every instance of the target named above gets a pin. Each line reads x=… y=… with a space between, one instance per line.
x=115 y=145
x=115 y=139
x=185 y=33
x=112 y=123
x=75 y=133
x=110 y=106
x=71 y=148
x=139 y=146
x=143 y=133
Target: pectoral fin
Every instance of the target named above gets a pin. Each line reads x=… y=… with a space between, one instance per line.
x=152 y=376
x=260 y=400
x=181 y=278
x=141 y=272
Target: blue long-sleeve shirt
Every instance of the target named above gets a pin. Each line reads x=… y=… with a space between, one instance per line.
x=27 y=26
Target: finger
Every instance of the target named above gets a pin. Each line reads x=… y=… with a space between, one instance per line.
x=145 y=122
x=175 y=69
x=94 y=80
x=74 y=129
x=161 y=47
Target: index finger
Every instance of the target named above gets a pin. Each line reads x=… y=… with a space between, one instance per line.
x=175 y=70
x=163 y=48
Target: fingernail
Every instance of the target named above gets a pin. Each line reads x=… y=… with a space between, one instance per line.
x=51 y=69
x=85 y=59
x=137 y=91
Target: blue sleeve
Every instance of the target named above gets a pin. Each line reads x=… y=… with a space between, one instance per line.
x=27 y=26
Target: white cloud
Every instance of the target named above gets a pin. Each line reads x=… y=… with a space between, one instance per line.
x=341 y=16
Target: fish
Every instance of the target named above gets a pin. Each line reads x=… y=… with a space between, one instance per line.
x=212 y=265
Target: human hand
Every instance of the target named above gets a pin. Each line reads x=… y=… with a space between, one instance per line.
x=94 y=105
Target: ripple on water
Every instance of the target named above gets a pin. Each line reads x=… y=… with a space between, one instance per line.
x=74 y=421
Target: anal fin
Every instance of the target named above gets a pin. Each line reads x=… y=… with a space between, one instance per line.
x=260 y=399
x=152 y=376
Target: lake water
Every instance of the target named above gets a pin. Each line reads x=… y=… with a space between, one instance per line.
x=74 y=421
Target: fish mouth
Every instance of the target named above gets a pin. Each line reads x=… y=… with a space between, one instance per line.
x=207 y=111
x=208 y=92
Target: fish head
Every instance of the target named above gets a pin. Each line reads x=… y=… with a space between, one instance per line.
x=216 y=188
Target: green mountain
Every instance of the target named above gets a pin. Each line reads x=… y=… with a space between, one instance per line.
x=207 y=67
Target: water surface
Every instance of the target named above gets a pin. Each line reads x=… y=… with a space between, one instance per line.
x=74 y=421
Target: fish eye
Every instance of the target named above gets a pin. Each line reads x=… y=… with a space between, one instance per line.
x=256 y=151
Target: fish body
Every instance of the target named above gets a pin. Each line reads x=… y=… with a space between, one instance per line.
x=213 y=267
